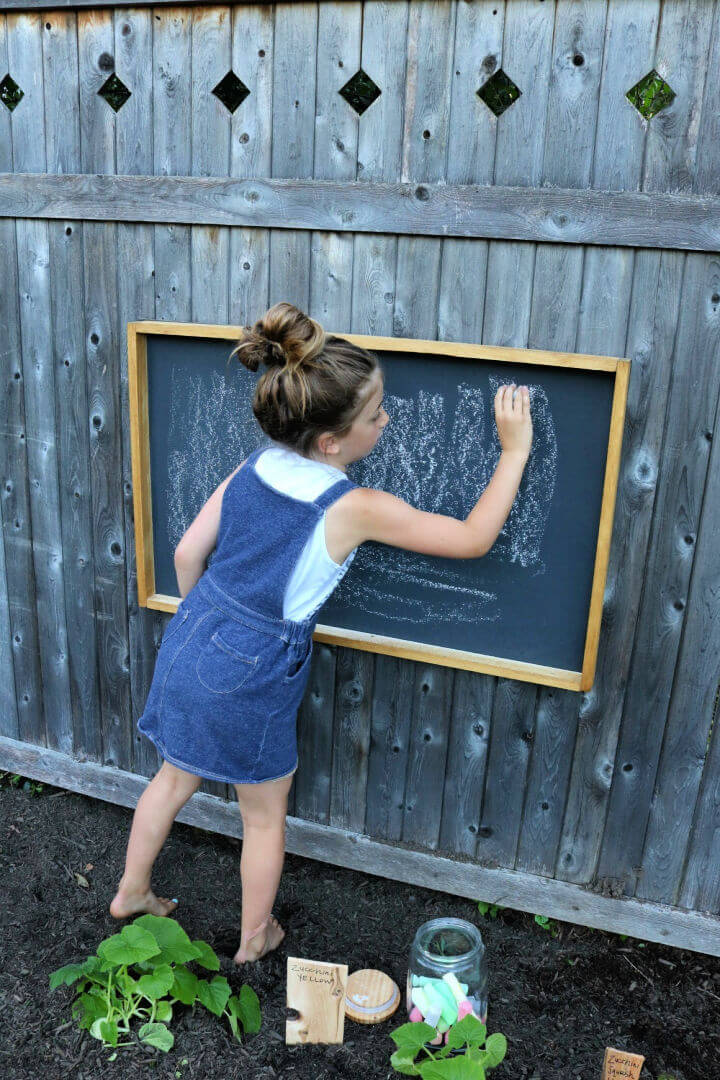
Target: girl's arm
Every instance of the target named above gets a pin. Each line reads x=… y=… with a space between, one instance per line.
x=199 y=539
x=378 y=515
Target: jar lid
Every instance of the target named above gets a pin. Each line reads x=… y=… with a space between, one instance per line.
x=371 y=996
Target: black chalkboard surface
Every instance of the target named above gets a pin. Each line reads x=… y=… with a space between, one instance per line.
x=525 y=605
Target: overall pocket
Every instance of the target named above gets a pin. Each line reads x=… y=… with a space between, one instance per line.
x=221 y=668
x=299 y=656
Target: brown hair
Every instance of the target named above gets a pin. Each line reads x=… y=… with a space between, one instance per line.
x=315 y=382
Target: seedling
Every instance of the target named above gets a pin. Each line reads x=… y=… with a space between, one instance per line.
x=16 y=781
x=142 y=972
x=481 y=1053
x=489 y=909
x=547 y=924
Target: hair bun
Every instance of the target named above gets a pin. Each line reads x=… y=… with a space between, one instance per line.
x=275 y=355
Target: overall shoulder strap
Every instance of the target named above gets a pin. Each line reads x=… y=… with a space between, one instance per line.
x=331 y=494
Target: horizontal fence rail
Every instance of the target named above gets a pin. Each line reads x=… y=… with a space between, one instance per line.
x=621 y=219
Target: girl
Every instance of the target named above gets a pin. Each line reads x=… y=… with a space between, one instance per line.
x=284 y=527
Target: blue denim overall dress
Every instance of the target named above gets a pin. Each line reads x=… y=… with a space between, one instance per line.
x=231 y=672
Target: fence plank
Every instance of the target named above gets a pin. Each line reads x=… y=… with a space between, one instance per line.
x=543 y=744
x=379 y=153
x=526 y=59
x=668 y=163
x=14 y=556
x=49 y=719
x=62 y=134
x=706 y=164
x=549 y=215
x=97 y=139
x=686 y=628
x=461 y=309
x=431 y=31
x=331 y=274
x=458 y=877
x=136 y=300
x=612 y=277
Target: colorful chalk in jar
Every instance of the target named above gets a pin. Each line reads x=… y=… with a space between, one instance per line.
x=447 y=975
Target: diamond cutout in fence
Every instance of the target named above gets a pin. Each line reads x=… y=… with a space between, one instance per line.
x=360 y=91
x=115 y=92
x=499 y=92
x=10 y=92
x=231 y=91
x=651 y=94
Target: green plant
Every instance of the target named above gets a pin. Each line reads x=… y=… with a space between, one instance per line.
x=480 y=1055
x=547 y=924
x=640 y=945
x=142 y=972
x=489 y=909
x=15 y=780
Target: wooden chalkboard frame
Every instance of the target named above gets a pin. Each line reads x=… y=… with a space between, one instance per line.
x=137 y=333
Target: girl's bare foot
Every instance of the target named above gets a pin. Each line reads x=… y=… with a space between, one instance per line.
x=267 y=937
x=132 y=903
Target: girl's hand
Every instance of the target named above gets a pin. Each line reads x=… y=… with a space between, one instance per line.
x=513 y=419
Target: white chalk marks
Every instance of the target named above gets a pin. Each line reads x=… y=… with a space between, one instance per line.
x=210 y=419
x=417 y=461
x=438 y=453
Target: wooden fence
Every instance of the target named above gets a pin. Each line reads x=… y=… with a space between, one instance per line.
x=550 y=210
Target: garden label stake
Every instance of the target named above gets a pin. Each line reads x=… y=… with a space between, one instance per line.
x=316 y=991
x=620 y=1065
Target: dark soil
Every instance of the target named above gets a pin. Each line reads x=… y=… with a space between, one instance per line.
x=559 y=1000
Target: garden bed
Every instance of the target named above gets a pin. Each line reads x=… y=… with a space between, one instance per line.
x=560 y=1000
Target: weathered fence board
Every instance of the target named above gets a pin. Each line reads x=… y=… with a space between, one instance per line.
x=67 y=337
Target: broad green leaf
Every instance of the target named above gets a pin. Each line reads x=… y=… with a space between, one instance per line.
x=163 y=1012
x=89 y=1009
x=403 y=1063
x=158 y=983
x=246 y=1007
x=156 y=1035
x=457 y=1068
x=66 y=976
x=206 y=957
x=496 y=1049
x=214 y=995
x=411 y=1036
x=175 y=945
x=185 y=986
x=468 y=1031
x=106 y=1031
x=131 y=945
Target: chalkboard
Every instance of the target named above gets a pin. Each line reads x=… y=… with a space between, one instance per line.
x=530 y=608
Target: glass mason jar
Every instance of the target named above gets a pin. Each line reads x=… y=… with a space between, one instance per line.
x=443 y=947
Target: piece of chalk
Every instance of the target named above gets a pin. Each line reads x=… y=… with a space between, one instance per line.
x=437 y=1000
x=415 y=1015
x=464 y=1008
x=430 y=1009
x=454 y=986
x=443 y=991
x=437 y=1040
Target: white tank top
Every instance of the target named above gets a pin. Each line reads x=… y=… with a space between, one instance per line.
x=315 y=573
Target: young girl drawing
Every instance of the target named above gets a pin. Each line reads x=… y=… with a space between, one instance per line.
x=284 y=527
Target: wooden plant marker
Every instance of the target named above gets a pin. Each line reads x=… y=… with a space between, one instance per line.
x=317 y=991
x=620 y=1065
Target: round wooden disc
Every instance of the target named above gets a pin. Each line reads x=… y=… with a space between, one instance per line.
x=371 y=996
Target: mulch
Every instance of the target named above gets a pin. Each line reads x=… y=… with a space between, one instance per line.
x=559 y=1000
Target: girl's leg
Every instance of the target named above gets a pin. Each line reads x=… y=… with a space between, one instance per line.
x=263 y=808
x=157 y=808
